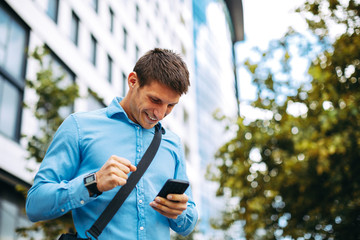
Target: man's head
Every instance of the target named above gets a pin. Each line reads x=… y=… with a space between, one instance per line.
x=159 y=79
x=165 y=67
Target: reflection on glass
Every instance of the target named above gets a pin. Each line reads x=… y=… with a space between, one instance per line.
x=4 y=22
x=12 y=45
x=9 y=103
x=52 y=10
x=8 y=218
x=15 y=51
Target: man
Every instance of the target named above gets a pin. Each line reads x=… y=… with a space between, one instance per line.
x=108 y=144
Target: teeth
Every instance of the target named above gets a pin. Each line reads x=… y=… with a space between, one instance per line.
x=153 y=119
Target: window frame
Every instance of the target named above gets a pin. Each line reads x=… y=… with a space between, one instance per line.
x=74 y=29
x=95 y=5
x=18 y=83
x=112 y=20
x=110 y=63
x=53 y=13
x=93 y=49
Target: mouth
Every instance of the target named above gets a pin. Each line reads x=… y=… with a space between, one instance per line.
x=151 y=118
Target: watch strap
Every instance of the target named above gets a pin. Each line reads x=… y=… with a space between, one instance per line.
x=93 y=189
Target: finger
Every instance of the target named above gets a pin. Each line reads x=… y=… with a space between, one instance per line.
x=183 y=198
x=165 y=210
x=172 y=216
x=124 y=162
x=170 y=205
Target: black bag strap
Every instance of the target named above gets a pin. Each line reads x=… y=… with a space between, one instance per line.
x=109 y=212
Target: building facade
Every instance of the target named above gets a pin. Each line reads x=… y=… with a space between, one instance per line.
x=96 y=44
x=216 y=93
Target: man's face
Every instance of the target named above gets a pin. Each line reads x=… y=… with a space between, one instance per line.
x=149 y=104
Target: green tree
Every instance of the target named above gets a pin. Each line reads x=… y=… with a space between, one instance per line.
x=298 y=175
x=55 y=95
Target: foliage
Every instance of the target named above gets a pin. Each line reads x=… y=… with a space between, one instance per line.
x=297 y=175
x=176 y=236
x=54 y=96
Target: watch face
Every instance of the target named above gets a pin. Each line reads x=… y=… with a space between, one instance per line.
x=90 y=179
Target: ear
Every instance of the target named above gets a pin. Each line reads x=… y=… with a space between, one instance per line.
x=132 y=80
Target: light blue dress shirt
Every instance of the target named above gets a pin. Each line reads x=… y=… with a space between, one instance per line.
x=82 y=144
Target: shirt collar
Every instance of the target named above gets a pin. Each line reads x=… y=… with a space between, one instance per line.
x=115 y=108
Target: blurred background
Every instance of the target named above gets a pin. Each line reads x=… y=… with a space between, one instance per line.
x=270 y=125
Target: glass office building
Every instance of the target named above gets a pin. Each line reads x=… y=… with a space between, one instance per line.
x=215 y=94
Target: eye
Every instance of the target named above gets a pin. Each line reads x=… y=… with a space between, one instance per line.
x=155 y=100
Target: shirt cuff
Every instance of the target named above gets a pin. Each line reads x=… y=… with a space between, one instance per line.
x=78 y=193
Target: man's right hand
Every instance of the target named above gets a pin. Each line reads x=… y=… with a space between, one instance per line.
x=114 y=173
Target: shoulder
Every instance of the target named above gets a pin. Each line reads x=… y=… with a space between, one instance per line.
x=89 y=117
x=171 y=138
x=91 y=114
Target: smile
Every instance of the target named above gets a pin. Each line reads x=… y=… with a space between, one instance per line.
x=152 y=119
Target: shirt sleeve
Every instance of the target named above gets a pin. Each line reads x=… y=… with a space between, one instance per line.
x=57 y=189
x=185 y=223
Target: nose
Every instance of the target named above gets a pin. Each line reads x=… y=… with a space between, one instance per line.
x=160 y=112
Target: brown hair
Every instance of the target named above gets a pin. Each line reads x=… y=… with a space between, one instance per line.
x=164 y=66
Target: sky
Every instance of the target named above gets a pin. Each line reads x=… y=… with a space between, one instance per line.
x=269 y=19
x=264 y=20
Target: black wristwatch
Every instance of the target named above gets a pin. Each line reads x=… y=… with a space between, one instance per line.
x=91 y=184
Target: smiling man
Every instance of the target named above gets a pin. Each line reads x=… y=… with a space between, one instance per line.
x=107 y=145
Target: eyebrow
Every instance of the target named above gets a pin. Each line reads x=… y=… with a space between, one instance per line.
x=160 y=100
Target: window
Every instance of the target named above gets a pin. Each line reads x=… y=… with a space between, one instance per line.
x=74 y=34
x=13 y=41
x=60 y=69
x=93 y=44
x=112 y=17
x=148 y=26
x=12 y=215
x=137 y=13
x=157 y=40
x=186 y=116
x=137 y=51
x=10 y=102
x=8 y=219
x=157 y=8
x=125 y=39
x=95 y=5
x=52 y=9
x=124 y=84
x=110 y=67
x=94 y=101
x=187 y=151
x=13 y=38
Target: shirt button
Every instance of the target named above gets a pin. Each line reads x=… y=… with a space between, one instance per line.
x=82 y=202
x=63 y=210
x=141 y=228
x=140 y=201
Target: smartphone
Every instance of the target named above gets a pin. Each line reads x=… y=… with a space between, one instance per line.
x=173 y=186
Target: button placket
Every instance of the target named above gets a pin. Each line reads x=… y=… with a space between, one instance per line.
x=140 y=186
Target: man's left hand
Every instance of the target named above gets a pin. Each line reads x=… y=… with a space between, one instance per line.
x=171 y=207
